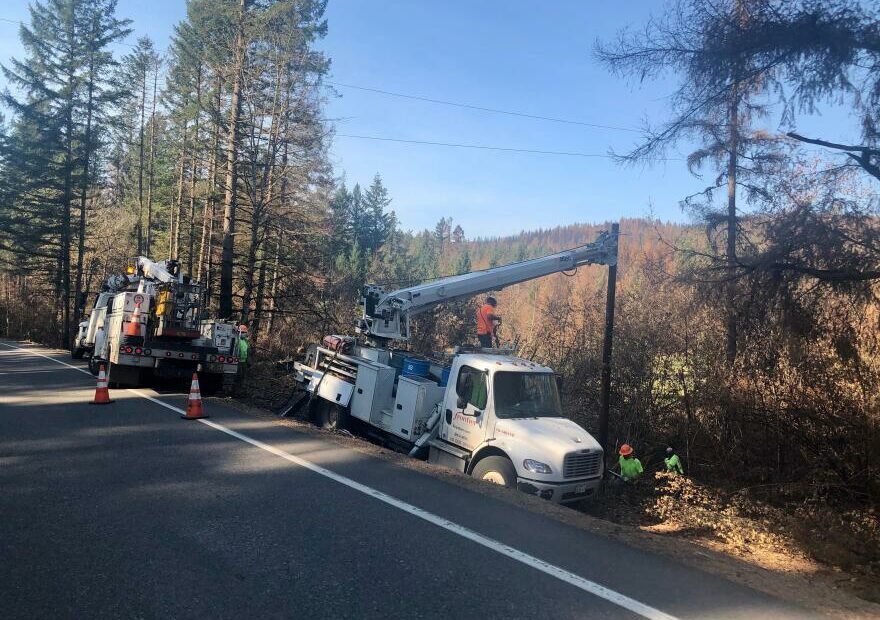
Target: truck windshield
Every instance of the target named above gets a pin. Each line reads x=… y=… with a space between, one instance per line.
x=526 y=395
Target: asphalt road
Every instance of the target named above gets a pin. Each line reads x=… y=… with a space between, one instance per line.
x=127 y=511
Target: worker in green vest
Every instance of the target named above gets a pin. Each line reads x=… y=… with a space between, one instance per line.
x=630 y=466
x=673 y=463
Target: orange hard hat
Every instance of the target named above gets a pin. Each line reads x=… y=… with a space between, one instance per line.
x=626 y=450
x=243 y=328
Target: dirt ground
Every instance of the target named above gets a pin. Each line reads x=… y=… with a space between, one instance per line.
x=741 y=540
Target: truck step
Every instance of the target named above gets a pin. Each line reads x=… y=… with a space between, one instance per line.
x=449 y=448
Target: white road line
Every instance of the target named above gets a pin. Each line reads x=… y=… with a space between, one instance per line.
x=51 y=359
x=25 y=372
x=586 y=585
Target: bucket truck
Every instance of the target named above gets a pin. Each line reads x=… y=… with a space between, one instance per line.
x=148 y=322
x=483 y=412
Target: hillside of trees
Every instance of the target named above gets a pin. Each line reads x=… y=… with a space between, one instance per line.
x=748 y=338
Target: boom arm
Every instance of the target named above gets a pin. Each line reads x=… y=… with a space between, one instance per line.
x=386 y=315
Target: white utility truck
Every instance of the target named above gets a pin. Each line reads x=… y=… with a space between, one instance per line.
x=147 y=322
x=485 y=412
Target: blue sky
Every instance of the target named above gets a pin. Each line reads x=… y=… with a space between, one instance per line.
x=533 y=58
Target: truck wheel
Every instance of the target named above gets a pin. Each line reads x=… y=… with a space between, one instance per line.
x=108 y=369
x=497 y=470
x=329 y=415
x=77 y=353
x=210 y=384
x=110 y=382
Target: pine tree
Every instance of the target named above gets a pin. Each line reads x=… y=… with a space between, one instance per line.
x=715 y=107
x=101 y=95
x=233 y=132
x=463 y=265
x=377 y=222
x=136 y=70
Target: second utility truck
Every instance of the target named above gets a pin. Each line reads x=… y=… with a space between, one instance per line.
x=147 y=323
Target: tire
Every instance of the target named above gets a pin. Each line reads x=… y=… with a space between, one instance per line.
x=497 y=470
x=329 y=415
x=110 y=383
x=77 y=353
x=210 y=384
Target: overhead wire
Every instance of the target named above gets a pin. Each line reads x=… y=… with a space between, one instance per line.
x=486 y=147
x=482 y=108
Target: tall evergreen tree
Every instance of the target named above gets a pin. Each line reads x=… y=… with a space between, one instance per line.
x=377 y=217
x=98 y=102
x=136 y=70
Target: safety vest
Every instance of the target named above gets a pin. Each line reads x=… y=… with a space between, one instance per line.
x=484 y=323
x=630 y=468
x=673 y=464
x=243 y=348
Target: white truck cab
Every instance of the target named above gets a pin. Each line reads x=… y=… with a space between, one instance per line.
x=502 y=422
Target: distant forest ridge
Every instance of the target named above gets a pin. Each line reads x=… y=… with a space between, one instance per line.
x=634 y=232
x=578 y=233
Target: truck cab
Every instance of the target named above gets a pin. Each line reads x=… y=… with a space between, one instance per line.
x=501 y=421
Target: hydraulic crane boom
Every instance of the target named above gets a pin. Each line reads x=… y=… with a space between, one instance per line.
x=386 y=315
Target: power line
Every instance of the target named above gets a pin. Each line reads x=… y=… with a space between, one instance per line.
x=476 y=146
x=483 y=109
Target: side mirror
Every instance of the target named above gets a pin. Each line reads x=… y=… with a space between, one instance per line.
x=461 y=403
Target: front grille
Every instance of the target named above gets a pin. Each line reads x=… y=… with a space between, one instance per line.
x=584 y=464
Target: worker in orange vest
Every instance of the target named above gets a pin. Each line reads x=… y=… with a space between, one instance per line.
x=486 y=322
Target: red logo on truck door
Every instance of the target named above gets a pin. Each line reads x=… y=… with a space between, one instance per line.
x=466 y=419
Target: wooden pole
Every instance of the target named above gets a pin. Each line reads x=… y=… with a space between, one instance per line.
x=607 y=344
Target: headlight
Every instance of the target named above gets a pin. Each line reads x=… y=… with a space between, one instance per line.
x=537 y=467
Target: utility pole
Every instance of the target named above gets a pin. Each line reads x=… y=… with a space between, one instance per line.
x=607 y=343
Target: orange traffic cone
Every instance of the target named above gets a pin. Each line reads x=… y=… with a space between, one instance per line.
x=194 y=403
x=134 y=324
x=102 y=394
